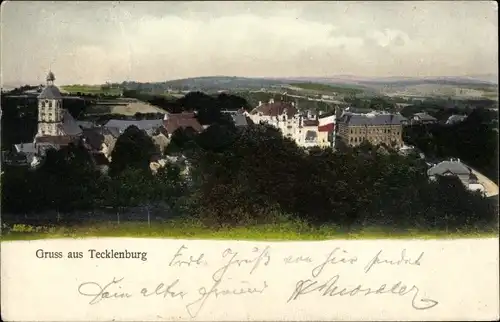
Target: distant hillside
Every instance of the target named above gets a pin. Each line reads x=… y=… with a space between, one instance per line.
x=319 y=87
x=221 y=83
x=489 y=79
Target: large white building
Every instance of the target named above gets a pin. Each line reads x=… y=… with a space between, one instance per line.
x=303 y=129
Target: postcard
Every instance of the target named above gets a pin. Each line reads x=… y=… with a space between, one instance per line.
x=249 y=161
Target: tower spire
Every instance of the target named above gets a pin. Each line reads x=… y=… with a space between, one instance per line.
x=50 y=78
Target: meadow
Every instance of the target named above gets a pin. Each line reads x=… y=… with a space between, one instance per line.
x=92 y=89
x=190 y=229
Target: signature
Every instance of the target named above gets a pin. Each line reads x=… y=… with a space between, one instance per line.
x=330 y=288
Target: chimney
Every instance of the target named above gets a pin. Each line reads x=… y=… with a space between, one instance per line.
x=260 y=103
x=271 y=101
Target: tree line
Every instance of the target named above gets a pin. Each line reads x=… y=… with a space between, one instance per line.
x=252 y=175
x=473 y=141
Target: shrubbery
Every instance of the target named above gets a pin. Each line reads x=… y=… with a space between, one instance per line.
x=254 y=176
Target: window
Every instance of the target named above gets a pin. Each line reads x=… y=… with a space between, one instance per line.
x=50 y=104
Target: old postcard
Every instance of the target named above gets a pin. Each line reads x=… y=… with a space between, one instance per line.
x=249 y=161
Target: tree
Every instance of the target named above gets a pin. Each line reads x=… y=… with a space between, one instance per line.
x=133 y=149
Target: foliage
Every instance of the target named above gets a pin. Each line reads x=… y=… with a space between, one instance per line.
x=252 y=176
x=133 y=150
x=472 y=140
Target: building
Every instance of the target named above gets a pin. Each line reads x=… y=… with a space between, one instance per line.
x=122 y=125
x=56 y=126
x=454 y=119
x=184 y=120
x=457 y=169
x=302 y=128
x=375 y=128
x=423 y=118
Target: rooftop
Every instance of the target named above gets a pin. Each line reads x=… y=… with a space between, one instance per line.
x=455 y=167
x=122 y=125
x=50 y=92
x=424 y=116
x=182 y=120
x=371 y=119
x=275 y=109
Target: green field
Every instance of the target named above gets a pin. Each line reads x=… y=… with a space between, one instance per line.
x=192 y=230
x=328 y=88
x=92 y=89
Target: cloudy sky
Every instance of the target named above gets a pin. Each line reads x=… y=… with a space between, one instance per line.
x=94 y=42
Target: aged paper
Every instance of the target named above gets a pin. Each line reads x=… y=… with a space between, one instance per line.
x=208 y=280
x=352 y=145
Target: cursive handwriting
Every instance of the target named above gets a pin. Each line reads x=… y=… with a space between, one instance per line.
x=330 y=288
x=161 y=289
x=99 y=292
x=219 y=274
x=402 y=260
x=333 y=258
x=177 y=260
x=297 y=259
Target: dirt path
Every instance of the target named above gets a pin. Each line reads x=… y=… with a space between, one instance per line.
x=490 y=187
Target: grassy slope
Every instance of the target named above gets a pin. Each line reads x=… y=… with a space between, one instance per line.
x=327 y=88
x=284 y=232
x=91 y=89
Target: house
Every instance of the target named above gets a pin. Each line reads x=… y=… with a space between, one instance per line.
x=110 y=137
x=308 y=134
x=122 y=125
x=375 y=128
x=455 y=168
x=240 y=119
x=161 y=139
x=454 y=119
x=183 y=120
x=93 y=139
x=423 y=118
x=85 y=124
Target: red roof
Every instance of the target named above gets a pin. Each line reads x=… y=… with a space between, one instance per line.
x=275 y=109
x=327 y=127
x=181 y=120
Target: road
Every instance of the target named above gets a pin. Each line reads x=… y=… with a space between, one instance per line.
x=491 y=189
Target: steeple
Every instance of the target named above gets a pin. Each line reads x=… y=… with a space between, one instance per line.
x=50 y=78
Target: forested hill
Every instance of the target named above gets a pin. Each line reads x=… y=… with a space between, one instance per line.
x=208 y=83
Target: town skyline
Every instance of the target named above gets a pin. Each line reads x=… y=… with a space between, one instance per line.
x=91 y=43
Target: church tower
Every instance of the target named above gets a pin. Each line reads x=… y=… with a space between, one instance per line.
x=50 y=112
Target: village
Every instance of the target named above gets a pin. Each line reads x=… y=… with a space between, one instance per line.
x=349 y=126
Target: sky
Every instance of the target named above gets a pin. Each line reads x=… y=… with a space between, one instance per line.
x=94 y=42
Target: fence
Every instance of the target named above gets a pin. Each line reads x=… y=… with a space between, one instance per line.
x=148 y=214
